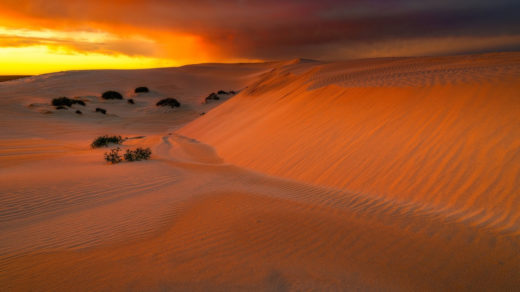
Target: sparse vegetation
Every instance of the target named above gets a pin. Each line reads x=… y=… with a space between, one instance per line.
x=211 y=96
x=112 y=95
x=141 y=89
x=113 y=156
x=61 y=107
x=100 y=110
x=171 y=102
x=79 y=112
x=65 y=101
x=130 y=101
x=104 y=141
x=138 y=154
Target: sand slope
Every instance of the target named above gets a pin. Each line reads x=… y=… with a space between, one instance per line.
x=385 y=174
x=442 y=133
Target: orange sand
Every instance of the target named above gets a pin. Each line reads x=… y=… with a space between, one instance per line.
x=383 y=174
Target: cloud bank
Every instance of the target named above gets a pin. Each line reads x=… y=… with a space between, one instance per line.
x=210 y=30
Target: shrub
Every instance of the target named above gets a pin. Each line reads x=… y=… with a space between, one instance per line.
x=138 y=154
x=100 y=110
x=222 y=92
x=131 y=101
x=113 y=156
x=79 y=112
x=171 y=102
x=232 y=92
x=112 y=95
x=141 y=89
x=61 y=107
x=212 y=96
x=103 y=141
x=65 y=101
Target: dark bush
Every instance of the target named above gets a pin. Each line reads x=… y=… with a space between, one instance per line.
x=171 y=102
x=222 y=92
x=103 y=141
x=212 y=96
x=100 y=110
x=113 y=156
x=131 y=101
x=202 y=113
x=141 y=89
x=232 y=92
x=112 y=95
x=65 y=101
x=61 y=107
x=138 y=154
x=79 y=112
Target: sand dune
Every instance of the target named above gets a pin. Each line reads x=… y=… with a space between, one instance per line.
x=383 y=174
x=438 y=132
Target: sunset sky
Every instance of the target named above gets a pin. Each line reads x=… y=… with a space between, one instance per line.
x=39 y=36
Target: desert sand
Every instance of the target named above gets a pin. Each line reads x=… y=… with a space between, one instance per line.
x=394 y=174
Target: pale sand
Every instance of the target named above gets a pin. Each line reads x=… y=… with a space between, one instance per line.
x=383 y=174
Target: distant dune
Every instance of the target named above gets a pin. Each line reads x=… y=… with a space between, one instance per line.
x=380 y=174
x=11 y=77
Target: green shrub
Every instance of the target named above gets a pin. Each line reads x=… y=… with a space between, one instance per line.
x=138 y=154
x=113 y=156
x=103 y=141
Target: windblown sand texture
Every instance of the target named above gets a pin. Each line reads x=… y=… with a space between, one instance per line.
x=379 y=174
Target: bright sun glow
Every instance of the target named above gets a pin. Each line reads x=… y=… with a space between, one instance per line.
x=41 y=59
x=25 y=51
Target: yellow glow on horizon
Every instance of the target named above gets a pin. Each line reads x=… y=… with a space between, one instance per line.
x=26 y=51
x=32 y=60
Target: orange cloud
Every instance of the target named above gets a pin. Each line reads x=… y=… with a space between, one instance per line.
x=194 y=31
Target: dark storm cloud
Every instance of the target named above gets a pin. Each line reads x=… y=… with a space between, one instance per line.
x=283 y=29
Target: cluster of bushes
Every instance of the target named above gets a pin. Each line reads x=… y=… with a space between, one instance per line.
x=171 y=102
x=215 y=96
x=104 y=141
x=130 y=155
x=62 y=102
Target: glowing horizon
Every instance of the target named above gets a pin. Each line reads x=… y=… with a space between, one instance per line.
x=48 y=36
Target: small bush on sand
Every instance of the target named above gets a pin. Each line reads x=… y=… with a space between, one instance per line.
x=112 y=95
x=103 y=141
x=65 y=101
x=138 y=154
x=113 y=156
x=79 y=112
x=141 y=89
x=211 y=96
x=131 y=101
x=171 y=102
x=61 y=107
x=101 y=110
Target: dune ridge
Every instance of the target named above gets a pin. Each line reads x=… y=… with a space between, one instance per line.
x=449 y=143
